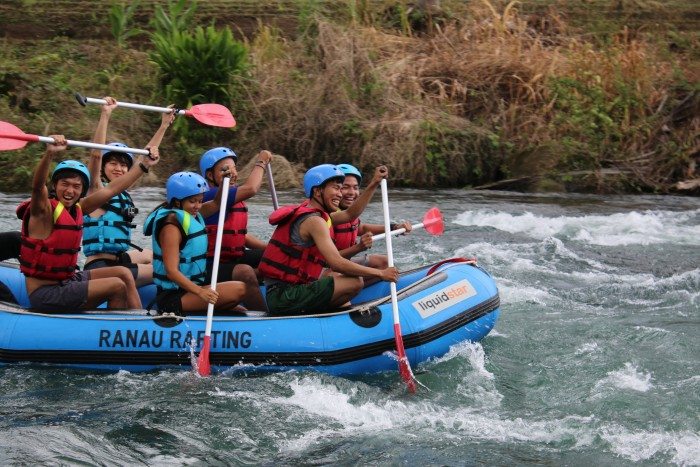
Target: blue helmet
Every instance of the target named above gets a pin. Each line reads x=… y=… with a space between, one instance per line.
x=76 y=167
x=182 y=185
x=317 y=176
x=348 y=169
x=212 y=156
x=129 y=156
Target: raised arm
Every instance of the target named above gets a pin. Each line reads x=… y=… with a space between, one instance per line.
x=252 y=185
x=100 y=137
x=166 y=120
x=39 y=206
x=212 y=206
x=354 y=211
x=101 y=196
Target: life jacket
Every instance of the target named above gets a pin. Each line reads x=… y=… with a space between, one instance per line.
x=111 y=232
x=55 y=257
x=346 y=234
x=233 y=237
x=285 y=261
x=193 y=247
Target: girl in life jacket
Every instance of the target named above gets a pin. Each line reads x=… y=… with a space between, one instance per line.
x=240 y=251
x=179 y=240
x=107 y=231
x=346 y=235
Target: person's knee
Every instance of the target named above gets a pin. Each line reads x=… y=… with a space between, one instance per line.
x=118 y=287
x=235 y=290
x=378 y=261
x=352 y=285
x=126 y=275
x=246 y=274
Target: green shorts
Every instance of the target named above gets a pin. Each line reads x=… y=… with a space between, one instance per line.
x=311 y=298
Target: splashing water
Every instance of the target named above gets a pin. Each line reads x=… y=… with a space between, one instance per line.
x=595 y=359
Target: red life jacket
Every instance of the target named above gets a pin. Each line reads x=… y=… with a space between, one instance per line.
x=346 y=234
x=233 y=238
x=285 y=261
x=55 y=257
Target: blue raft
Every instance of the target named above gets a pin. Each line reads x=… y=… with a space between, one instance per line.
x=439 y=307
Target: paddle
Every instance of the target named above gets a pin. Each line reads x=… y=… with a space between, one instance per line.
x=203 y=365
x=273 y=192
x=404 y=366
x=208 y=114
x=12 y=138
x=432 y=222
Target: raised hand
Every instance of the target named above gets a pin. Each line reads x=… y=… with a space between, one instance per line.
x=58 y=145
x=109 y=106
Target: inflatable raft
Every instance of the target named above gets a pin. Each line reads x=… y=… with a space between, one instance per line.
x=439 y=305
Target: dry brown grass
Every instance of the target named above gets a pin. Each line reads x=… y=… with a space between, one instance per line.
x=474 y=102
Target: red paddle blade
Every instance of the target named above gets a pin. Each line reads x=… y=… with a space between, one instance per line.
x=203 y=366
x=404 y=366
x=12 y=138
x=212 y=114
x=433 y=222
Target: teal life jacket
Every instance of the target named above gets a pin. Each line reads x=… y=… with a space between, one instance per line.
x=111 y=232
x=193 y=247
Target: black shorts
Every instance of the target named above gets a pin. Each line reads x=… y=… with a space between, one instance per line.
x=250 y=257
x=122 y=259
x=170 y=301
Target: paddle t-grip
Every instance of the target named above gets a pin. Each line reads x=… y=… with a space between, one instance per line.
x=82 y=100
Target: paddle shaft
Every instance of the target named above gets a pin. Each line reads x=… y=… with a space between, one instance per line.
x=396 y=232
x=70 y=142
x=273 y=191
x=404 y=367
x=217 y=252
x=128 y=105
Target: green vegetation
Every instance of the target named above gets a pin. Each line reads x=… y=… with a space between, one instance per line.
x=601 y=96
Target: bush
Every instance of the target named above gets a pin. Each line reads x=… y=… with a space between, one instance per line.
x=199 y=66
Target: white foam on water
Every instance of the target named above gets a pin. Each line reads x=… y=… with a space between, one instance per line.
x=643 y=445
x=169 y=460
x=341 y=416
x=494 y=333
x=587 y=348
x=652 y=330
x=626 y=228
x=523 y=294
x=629 y=377
x=476 y=355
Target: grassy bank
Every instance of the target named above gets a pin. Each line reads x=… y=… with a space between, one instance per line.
x=533 y=95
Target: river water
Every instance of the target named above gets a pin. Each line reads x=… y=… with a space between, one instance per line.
x=594 y=361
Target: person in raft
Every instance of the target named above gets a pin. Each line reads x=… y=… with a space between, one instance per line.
x=346 y=234
x=52 y=227
x=240 y=251
x=302 y=245
x=180 y=250
x=107 y=230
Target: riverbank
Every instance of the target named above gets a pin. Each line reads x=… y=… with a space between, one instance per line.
x=477 y=95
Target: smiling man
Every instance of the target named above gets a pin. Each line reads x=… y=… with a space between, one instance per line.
x=52 y=231
x=302 y=245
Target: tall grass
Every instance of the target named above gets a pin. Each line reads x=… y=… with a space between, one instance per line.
x=488 y=95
